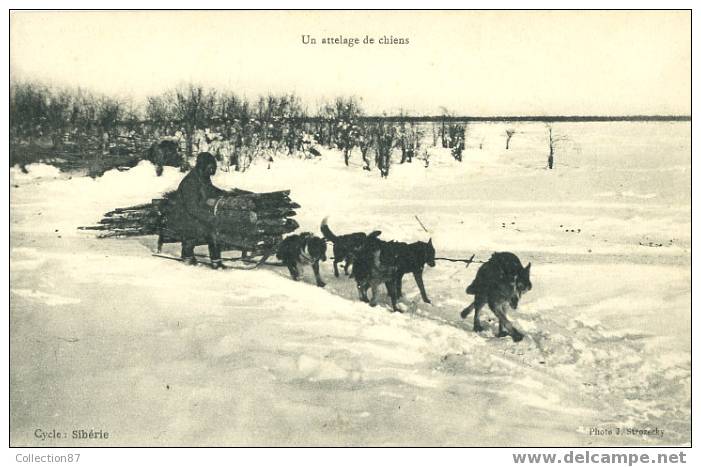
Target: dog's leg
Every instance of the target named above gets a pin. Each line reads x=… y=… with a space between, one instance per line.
x=496 y=309
x=502 y=330
x=478 y=304
x=347 y=265
x=293 y=270
x=363 y=293
x=375 y=293
x=336 y=260
x=504 y=323
x=315 y=267
x=420 y=282
x=398 y=283
x=392 y=292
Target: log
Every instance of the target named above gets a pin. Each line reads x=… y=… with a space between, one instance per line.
x=237 y=222
x=290 y=225
x=233 y=203
x=244 y=219
x=228 y=240
x=276 y=213
x=137 y=208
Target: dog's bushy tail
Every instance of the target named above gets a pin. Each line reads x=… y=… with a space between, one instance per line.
x=328 y=235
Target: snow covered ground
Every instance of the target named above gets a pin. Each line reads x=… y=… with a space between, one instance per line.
x=106 y=337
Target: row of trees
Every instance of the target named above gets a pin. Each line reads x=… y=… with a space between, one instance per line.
x=248 y=128
x=39 y=111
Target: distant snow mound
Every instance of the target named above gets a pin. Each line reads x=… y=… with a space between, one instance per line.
x=34 y=171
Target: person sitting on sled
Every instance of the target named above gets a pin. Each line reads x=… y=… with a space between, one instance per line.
x=195 y=197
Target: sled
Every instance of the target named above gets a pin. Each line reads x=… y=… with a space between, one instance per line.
x=203 y=260
x=252 y=223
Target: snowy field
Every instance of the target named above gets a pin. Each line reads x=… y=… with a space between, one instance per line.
x=105 y=336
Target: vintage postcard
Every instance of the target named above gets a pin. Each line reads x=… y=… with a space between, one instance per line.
x=350 y=228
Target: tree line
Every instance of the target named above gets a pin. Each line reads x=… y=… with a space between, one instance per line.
x=241 y=129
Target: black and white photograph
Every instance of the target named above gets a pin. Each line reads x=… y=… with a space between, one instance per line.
x=349 y=228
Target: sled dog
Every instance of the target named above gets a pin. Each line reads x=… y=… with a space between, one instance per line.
x=386 y=262
x=164 y=153
x=411 y=258
x=499 y=282
x=300 y=249
x=345 y=247
x=374 y=265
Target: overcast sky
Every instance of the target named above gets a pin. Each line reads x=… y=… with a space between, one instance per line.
x=473 y=63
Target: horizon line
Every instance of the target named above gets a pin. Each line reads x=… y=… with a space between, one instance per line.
x=467 y=118
x=534 y=118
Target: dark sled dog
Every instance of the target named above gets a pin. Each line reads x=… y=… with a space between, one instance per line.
x=386 y=262
x=164 y=153
x=375 y=264
x=499 y=282
x=345 y=247
x=411 y=258
x=300 y=249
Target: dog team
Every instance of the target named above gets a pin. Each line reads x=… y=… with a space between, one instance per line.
x=499 y=283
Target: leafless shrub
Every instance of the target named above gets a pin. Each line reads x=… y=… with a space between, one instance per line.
x=385 y=141
x=456 y=140
x=409 y=140
x=554 y=141
x=509 y=134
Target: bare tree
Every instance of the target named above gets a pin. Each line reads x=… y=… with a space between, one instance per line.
x=131 y=119
x=409 y=140
x=250 y=146
x=444 y=134
x=345 y=114
x=159 y=110
x=27 y=110
x=193 y=107
x=366 y=140
x=347 y=134
x=109 y=112
x=385 y=141
x=57 y=110
x=425 y=156
x=456 y=139
x=509 y=133
x=553 y=142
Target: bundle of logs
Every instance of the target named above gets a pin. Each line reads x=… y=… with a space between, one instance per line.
x=243 y=220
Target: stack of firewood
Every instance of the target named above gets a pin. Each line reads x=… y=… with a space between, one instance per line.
x=243 y=220
x=249 y=219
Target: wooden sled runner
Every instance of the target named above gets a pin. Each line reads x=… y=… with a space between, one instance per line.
x=251 y=262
